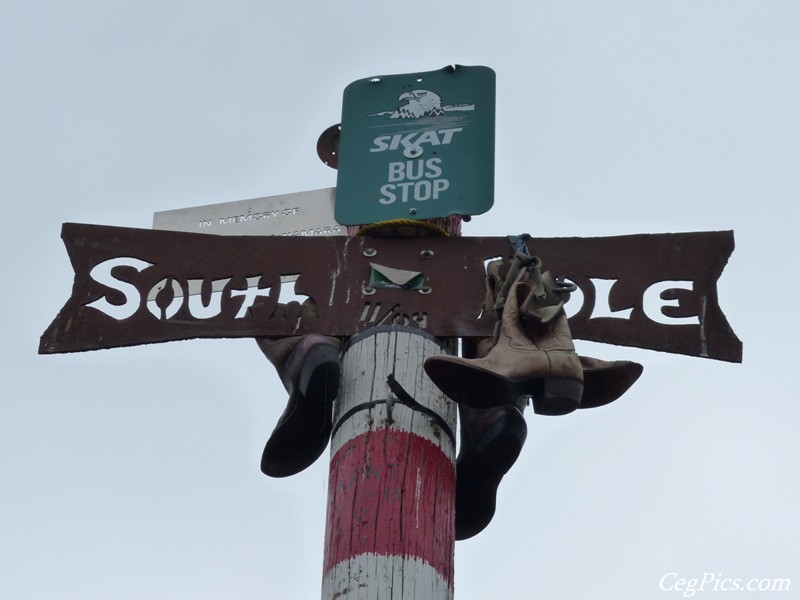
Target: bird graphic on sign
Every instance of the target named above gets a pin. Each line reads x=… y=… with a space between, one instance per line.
x=421 y=103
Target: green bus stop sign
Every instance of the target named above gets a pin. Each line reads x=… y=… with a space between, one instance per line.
x=417 y=146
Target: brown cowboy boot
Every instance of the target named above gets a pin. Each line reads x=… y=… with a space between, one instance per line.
x=533 y=356
x=309 y=369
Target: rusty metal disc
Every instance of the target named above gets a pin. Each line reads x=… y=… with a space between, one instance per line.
x=328 y=146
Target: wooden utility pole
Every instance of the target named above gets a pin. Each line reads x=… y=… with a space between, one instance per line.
x=390 y=529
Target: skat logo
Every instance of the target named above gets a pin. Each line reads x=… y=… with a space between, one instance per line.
x=427 y=107
x=412 y=142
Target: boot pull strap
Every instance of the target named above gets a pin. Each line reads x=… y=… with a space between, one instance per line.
x=521 y=262
x=522 y=258
x=544 y=283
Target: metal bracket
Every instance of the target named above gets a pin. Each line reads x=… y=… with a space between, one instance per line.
x=404 y=398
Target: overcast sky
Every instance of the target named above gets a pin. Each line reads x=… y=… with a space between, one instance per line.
x=133 y=473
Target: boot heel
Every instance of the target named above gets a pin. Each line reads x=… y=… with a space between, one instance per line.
x=560 y=396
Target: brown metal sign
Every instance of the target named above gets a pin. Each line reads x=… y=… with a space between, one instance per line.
x=138 y=286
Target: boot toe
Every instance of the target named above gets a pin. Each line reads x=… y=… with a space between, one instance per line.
x=473 y=386
x=604 y=384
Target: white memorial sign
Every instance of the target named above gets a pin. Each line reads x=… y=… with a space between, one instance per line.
x=298 y=214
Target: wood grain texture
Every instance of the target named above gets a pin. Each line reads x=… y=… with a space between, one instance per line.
x=391 y=502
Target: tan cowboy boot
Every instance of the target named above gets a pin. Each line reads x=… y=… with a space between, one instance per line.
x=533 y=356
x=603 y=381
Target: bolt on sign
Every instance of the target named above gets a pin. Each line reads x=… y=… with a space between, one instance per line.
x=417 y=146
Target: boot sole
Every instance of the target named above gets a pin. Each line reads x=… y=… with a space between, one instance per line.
x=478 y=475
x=480 y=388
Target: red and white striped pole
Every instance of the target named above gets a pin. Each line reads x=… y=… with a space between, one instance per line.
x=390 y=530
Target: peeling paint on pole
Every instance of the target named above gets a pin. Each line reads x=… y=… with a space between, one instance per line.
x=391 y=501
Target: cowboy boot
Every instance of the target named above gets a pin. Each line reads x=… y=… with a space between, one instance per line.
x=533 y=356
x=309 y=370
x=603 y=381
x=491 y=441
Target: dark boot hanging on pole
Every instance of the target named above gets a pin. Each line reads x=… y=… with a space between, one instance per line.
x=308 y=367
x=491 y=441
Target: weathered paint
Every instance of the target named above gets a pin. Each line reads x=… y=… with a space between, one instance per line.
x=391 y=501
x=393 y=494
x=358 y=578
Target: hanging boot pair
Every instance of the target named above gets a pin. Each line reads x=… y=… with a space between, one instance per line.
x=532 y=354
x=491 y=441
x=492 y=438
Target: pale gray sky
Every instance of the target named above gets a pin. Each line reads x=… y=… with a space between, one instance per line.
x=133 y=473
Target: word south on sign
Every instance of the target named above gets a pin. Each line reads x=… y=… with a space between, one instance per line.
x=417 y=146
